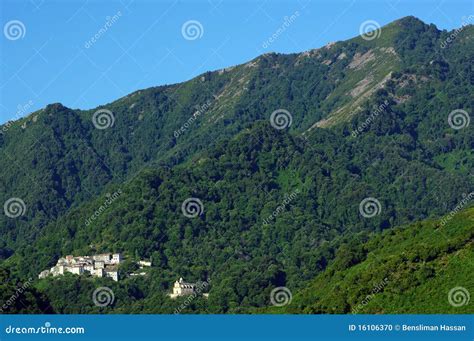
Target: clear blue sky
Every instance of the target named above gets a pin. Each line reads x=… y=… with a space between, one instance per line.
x=52 y=59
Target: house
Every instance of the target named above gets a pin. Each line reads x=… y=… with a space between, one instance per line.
x=182 y=288
x=104 y=257
x=75 y=269
x=143 y=263
x=137 y=274
x=116 y=258
x=89 y=267
x=98 y=273
x=101 y=265
x=44 y=274
x=112 y=273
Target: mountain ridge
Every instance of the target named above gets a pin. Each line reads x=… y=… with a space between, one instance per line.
x=407 y=20
x=213 y=138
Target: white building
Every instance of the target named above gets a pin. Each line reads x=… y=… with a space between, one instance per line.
x=103 y=265
x=181 y=288
x=44 y=274
x=143 y=263
x=75 y=269
x=98 y=273
x=116 y=258
x=104 y=257
x=112 y=273
x=89 y=267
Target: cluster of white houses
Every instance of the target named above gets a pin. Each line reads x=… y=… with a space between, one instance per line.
x=102 y=265
x=106 y=265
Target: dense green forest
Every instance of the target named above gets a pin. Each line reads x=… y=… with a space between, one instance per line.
x=401 y=271
x=281 y=207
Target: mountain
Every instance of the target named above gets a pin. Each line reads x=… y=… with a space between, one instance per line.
x=55 y=158
x=405 y=270
x=369 y=122
x=422 y=267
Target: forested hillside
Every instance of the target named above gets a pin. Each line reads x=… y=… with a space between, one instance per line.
x=282 y=204
x=402 y=271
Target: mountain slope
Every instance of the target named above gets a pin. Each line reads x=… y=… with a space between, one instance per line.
x=402 y=271
x=241 y=184
x=278 y=203
x=56 y=159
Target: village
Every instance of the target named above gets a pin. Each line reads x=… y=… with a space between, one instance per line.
x=106 y=265
x=100 y=265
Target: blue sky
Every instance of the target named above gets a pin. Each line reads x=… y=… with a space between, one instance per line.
x=48 y=53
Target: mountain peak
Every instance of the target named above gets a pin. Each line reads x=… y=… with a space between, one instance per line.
x=410 y=19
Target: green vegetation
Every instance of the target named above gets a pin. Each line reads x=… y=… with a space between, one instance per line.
x=244 y=171
x=401 y=271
